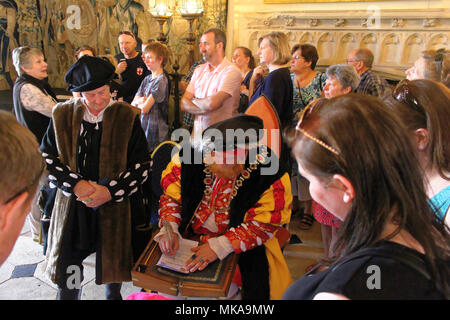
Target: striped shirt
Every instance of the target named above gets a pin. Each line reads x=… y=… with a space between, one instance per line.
x=373 y=84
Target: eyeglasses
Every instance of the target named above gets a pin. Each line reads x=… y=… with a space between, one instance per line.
x=402 y=93
x=351 y=61
x=35 y=179
x=303 y=116
x=297 y=57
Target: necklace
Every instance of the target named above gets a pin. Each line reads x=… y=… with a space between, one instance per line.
x=244 y=175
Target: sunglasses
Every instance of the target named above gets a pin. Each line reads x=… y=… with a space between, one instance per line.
x=303 y=116
x=402 y=93
x=36 y=179
x=127 y=33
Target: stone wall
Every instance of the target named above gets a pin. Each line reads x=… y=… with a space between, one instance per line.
x=396 y=36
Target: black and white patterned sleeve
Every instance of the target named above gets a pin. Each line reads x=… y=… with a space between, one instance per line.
x=60 y=175
x=129 y=181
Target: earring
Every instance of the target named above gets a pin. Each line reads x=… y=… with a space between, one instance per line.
x=346 y=198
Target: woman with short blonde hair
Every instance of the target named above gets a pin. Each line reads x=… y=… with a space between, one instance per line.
x=274 y=54
x=279 y=43
x=22 y=57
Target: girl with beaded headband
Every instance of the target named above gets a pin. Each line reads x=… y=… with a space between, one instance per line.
x=374 y=185
x=329 y=223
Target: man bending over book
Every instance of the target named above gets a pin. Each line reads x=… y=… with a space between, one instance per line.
x=219 y=194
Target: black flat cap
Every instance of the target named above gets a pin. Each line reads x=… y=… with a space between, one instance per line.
x=239 y=131
x=89 y=73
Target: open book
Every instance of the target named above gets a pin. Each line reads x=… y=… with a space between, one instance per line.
x=214 y=281
x=178 y=262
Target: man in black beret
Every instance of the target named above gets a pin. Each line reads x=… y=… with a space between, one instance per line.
x=227 y=201
x=97 y=157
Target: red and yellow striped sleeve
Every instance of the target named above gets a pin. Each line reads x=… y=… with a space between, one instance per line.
x=170 y=201
x=260 y=223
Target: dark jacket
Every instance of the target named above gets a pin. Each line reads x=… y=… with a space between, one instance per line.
x=36 y=122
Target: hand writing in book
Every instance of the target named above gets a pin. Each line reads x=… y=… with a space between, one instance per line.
x=203 y=255
x=169 y=245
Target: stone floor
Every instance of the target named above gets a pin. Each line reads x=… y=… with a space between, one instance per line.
x=21 y=275
x=22 y=278
x=308 y=252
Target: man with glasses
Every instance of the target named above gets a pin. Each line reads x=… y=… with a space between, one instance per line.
x=130 y=66
x=371 y=83
x=21 y=169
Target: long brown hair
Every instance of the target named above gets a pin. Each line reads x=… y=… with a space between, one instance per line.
x=248 y=53
x=433 y=114
x=376 y=155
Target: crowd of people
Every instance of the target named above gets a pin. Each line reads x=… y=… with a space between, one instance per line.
x=368 y=161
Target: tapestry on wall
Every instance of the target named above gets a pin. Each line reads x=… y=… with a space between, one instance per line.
x=58 y=27
x=8 y=36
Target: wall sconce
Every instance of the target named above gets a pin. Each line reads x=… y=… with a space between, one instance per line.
x=162 y=10
x=190 y=10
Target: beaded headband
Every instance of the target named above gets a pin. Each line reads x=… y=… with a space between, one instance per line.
x=323 y=144
x=304 y=114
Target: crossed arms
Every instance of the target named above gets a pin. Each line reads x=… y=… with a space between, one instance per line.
x=202 y=106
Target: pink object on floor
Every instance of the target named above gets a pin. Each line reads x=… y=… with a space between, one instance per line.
x=146 y=296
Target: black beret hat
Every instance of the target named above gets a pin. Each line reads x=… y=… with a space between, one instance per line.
x=89 y=73
x=245 y=130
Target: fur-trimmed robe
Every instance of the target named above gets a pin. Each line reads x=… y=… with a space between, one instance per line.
x=115 y=217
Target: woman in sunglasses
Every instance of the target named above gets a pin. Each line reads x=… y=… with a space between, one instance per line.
x=362 y=167
x=424 y=108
